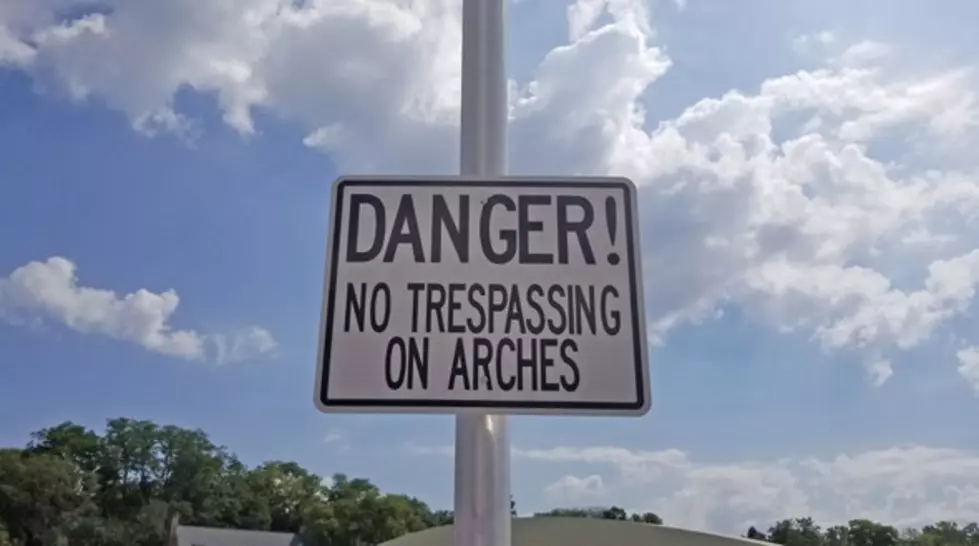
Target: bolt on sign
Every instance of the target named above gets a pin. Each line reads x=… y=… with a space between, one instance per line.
x=508 y=295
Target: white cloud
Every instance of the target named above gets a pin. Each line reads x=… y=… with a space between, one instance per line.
x=904 y=486
x=242 y=345
x=809 y=42
x=573 y=489
x=12 y=51
x=969 y=366
x=838 y=201
x=337 y=440
x=391 y=70
x=50 y=291
x=865 y=52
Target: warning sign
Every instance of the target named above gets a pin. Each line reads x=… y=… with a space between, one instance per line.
x=513 y=295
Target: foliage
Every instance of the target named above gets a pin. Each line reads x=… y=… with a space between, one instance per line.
x=613 y=512
x=73 y=486
x=124 y=487
x=862 y=532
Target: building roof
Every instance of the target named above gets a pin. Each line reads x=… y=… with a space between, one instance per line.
x=557 y=531
x=209 y=536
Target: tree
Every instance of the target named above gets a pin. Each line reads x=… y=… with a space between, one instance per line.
x=863 y=532
x=614 y=512
x=286 y=488
x=648 y=518
x=837 y=535
x=795 y=532
x=40 y=496
x=944 y=533
x=123 y=487
x=652 y=519
x=572 y=513
x=71 y=442
x=73 y=486
x=441 y=517
x=354 y=512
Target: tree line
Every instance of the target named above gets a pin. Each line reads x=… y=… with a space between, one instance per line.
x=863 y=532
x=71 y=486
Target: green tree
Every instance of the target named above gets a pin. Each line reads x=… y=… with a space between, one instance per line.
x=648 y=518
x=40 y=496
x=441 y=517
x=651 y=519
x=572 y=513
x=71 y=442
x=73 y=486
x=354 y=512
x=910 y=537
x=795 y=532
x=863 y=532
x=146 y=473
x=837 y=535
x=614 y=512
x=943 y=533
x=286 y=489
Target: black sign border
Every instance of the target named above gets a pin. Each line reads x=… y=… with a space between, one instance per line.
x=637 y=407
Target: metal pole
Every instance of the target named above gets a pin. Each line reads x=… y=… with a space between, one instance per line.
x=482 y=442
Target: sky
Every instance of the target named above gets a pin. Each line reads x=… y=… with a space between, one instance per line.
x=808 y=195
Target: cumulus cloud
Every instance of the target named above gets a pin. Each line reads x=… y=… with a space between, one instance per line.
x=389 y=79
x=569 y=488
x=969 y=365
x=50 y=291
x=242 y=345
x=905 y=486
x=837 y=201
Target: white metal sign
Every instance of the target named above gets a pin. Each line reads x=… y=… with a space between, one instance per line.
x=511 y=295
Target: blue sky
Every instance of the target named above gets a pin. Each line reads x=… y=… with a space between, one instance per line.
x=778 y=282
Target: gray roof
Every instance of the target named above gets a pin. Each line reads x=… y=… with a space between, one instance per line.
x=208 y=536
x=557 y=531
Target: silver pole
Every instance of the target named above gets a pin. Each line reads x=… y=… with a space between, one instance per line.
x=482 y=442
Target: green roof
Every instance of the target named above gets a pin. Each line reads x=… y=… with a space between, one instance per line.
x=556 y=531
